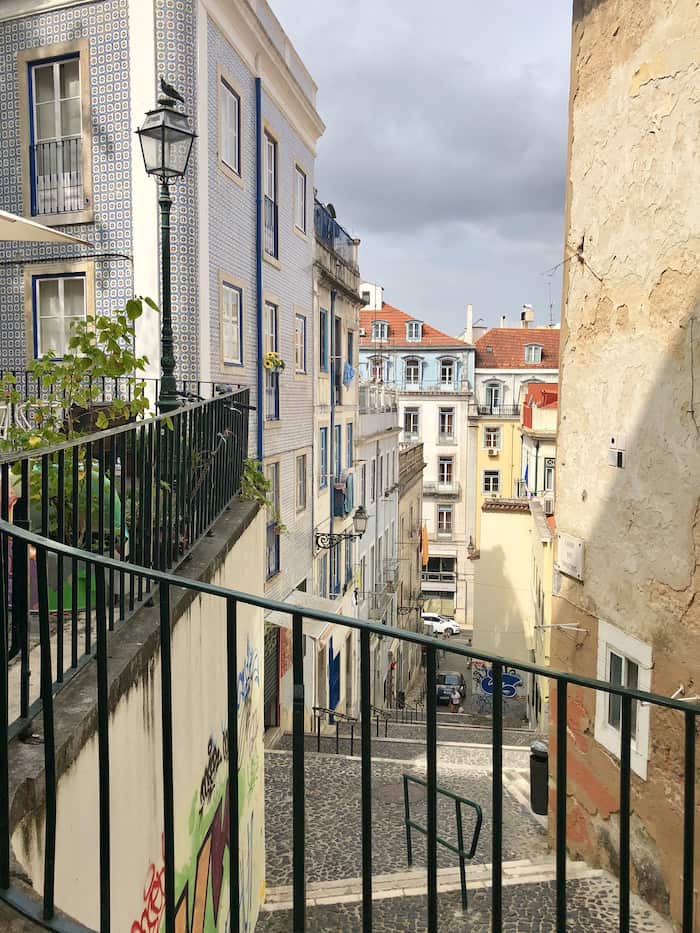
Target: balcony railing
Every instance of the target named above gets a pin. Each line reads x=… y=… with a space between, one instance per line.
x=332 y=235
x=496 y=411
x=57 y=176
x=439 y=576
x=432 y=385
x=271 y=231
x=436 y=488
x=141 y=493
x=18 y=542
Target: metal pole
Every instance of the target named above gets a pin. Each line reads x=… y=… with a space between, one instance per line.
x=167 y=398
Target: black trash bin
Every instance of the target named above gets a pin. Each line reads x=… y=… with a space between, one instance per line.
x=539 y=777
x=400 y=699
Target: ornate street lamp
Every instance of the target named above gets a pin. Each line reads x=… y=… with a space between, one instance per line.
x=359 y=522
x=166 y=144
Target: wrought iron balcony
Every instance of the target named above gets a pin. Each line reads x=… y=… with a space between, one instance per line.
x=433 y=488
x=333 y=236
x=497 y=411
x=57 y=176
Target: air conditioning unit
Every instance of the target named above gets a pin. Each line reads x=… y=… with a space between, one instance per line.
x=363 y=333
x=548 y=506
x=493 y=451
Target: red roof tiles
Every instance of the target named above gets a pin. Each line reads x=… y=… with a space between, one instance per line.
x=397 y=320
x=507 y=348
x=542 y=394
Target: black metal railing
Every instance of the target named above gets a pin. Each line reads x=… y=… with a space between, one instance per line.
x=332 y=235
x=14 y=539
x=141 y=493
x=57 y=176
x=271 y=232
x=499 y=411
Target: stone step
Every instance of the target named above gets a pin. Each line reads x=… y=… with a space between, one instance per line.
x=413 y=882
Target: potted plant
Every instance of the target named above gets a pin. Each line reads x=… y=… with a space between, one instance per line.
x=273 y=361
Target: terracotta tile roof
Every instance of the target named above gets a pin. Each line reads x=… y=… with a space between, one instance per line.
x=397 y=320
x=542 y=394
x=508 y=348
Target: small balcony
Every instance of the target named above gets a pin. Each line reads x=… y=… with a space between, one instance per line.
x=495 y=411
x=334 y=237
x=433 y=488
x=439 y=581
x=57 y=177
x=433 y=386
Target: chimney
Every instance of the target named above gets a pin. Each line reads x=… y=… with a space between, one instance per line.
x=503 y=321
x=469 y=332
x=527 y=316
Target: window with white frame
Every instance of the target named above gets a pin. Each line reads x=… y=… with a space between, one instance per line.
x=272 y=379
x=492 y=481
x=494 y=395
x=363 y=484
x=410 y=421
x=59 y=301
x=301 y=482
x=373 y=481
x=271 y=232
x=300 y=343
x=380 y=330
x=447 y=372
x=376 y=369
x=230 y=126
x=412 y=371
x=447 y=424
x=299 y=199
x=549 y=474
x=414 y=331
x=533 y=353
x=323 y=457
x=492 y=437
x=444 y=519
x=625 y=661
x=231 y=324
x=445 y=470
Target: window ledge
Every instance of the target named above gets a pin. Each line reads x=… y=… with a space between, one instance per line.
x=66 y=219
x=271 y=260
x=231 y=173
x=301 y=234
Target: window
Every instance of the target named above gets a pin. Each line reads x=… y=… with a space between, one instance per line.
x=492 y=438
x=229 y=126
x=348 y=446
x=365 y=298
x=447 y=423
x=549 y=474
x=338 y=452
x=363 y=484
x=299 y=199
x=444 y=520
x=624 y=661
x=380 y=330
x=445 y=470
x=301 y=483
x=493 y=395
x=533 y=353
x=351 y=347
x=348 y=561
x=381 y=475
x=300 y=343
x=323 y=458
x=59 y=301
x=376 y=369
x=414 y=331
x=447 y=369
x=231 y=299
x=272 y=471
x=272 y=377
x=60 y=151
x=271 y=230
x=410 y=421
x=335 y=571
x=323 y=575
x=373 y=481
x=412 y=370
x=492 y=481
x=323 y=339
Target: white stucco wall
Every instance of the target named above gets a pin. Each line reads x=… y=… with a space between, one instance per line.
x=200 y=773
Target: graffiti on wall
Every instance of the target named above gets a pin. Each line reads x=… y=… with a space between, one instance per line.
x=202 y=904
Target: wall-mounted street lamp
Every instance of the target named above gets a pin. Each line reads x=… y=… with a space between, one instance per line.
x=419 y=606
x=166 y=144
x=473 y=552
x=359 y=523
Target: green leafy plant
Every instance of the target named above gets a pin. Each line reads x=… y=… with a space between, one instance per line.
x=256 y=486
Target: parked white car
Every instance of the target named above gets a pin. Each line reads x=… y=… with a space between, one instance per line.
x=440 y=625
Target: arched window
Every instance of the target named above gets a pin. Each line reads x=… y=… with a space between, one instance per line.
x=412 y=371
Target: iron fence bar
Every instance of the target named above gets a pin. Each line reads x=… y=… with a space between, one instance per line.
x=366 y=752
x=688 y=823
x=4 y=704
x=233 y=814
x=103 y=748
x=625 y=762
x=298 y=791
x=157 y=527
x=407 y=821
x=148 y=504
x=112 y=525
x=20 y=588
x=60 y=534
x=122 y=524
x=431 y=796
x=75 y=479
x=49 y=737
x=462 y=863
x=88 y=545
x=561 y=805
x=497 y=802
x=167 y=724
x=176 y=473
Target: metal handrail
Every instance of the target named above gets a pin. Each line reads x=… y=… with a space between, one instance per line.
x=166 y=581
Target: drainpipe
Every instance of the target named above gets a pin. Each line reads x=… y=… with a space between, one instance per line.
x=331 y=439
x=258 y=263
x=537 y=451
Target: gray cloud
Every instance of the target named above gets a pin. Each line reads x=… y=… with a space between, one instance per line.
x=446 y=139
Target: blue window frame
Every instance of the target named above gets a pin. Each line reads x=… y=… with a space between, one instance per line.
x=351 y=348
x=348 y=446
x=335 y=571
x=272 y=376
x=323 y=458
x=323 y=576
x=338 y=452
x=58 y=301
x=348 y=561
x=323 y=340
x=231 y=324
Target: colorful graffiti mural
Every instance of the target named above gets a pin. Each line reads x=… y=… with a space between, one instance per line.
x=153 y=900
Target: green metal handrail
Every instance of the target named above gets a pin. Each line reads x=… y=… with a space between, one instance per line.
x=459 y=849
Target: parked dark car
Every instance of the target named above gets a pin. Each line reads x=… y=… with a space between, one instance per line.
x=446 y=680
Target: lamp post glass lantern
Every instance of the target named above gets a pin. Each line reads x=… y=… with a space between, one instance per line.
x=166 y=145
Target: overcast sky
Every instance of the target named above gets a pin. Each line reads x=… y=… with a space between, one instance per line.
x=445 y=145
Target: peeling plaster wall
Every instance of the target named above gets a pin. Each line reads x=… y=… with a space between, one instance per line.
x=631 y=365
